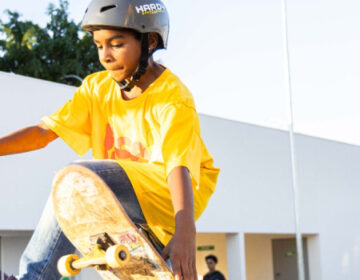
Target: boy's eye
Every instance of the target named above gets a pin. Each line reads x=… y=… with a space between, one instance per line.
x=99 y=47
x=117 y=45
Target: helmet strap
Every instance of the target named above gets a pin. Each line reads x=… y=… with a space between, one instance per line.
x=141 y=69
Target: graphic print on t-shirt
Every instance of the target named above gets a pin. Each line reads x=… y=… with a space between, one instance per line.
x=123 y=147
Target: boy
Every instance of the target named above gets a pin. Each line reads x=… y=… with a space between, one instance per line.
x=140 y=118
x=213 y=274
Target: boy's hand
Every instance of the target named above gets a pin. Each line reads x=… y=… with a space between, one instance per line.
x=181 y=251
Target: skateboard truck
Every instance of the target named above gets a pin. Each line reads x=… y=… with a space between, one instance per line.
x=103 y=240
x=104 y=255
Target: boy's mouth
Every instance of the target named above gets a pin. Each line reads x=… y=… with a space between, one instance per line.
x=119 y=74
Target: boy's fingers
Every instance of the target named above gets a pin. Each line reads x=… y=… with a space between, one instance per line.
x=189 y=273
x=177 y=271
x=194 y=271
x=193 y=267
x=185 y=271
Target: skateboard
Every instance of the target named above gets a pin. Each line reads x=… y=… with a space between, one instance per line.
x=94 y=221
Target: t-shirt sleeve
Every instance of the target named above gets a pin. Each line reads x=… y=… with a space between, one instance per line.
x=181 y=142
x=71 y=122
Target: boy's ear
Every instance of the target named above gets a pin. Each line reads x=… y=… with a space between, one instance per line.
x=153 y=40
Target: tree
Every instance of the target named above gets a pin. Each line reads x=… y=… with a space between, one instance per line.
x=59 y=50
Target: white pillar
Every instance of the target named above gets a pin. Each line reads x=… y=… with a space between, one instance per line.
x=314 y=255
x=235 y=246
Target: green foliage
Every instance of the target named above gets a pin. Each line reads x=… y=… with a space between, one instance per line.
x=51 y=53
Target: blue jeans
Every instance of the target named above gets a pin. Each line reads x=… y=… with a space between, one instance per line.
x=48 y=242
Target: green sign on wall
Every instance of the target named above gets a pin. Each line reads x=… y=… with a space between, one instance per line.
x=206 y=248
x=290 y=254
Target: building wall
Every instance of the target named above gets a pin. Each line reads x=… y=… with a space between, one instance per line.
x=254 y=193
x=255 y=183
x=258 y=257
x=26 y=178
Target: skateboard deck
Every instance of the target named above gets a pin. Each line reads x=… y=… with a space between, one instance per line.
x=97 y=225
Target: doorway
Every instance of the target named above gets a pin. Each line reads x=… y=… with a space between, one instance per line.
x=285 y=259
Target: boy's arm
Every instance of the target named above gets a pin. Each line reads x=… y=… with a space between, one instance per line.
x=26 y=139
x=182 y=248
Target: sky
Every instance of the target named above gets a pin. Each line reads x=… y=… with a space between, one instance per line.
x=230 y=55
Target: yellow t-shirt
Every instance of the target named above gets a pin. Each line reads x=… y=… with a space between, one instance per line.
x=148 y=136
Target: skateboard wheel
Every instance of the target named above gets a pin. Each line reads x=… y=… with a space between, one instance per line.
x=117 y=256
x=64 y=265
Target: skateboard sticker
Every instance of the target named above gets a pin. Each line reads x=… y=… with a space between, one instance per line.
x=74 y=182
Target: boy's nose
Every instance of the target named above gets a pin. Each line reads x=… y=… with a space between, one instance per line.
x=105 y=55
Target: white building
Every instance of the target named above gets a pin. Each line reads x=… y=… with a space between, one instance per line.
x=249 y=223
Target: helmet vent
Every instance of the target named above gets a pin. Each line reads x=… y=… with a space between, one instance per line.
x=105 y=8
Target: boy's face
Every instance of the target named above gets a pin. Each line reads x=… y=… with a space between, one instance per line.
x=210 y=264
x=119 y=52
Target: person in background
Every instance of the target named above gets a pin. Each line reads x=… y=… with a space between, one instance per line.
x=213 y=274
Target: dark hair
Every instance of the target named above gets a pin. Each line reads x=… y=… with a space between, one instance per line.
x=135 y=33
x=137 y=36
x=211 y=257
